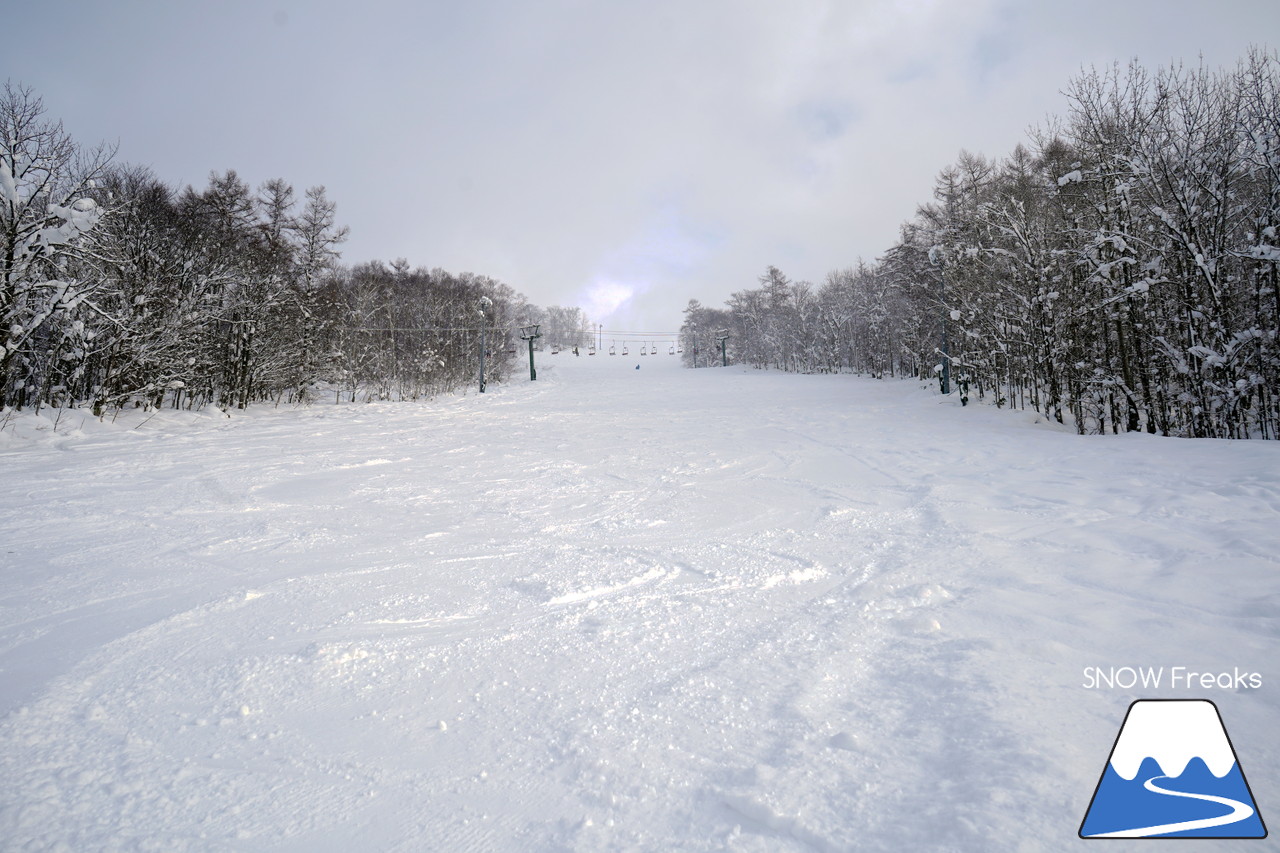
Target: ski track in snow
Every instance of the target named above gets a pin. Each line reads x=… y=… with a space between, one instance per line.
x=609 y=610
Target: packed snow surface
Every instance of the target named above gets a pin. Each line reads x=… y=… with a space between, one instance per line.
x=613 y=609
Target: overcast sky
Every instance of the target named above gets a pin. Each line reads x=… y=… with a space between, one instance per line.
x=623 y=156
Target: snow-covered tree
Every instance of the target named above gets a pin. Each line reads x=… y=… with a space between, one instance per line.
x=47 y=215
x=1123 y=269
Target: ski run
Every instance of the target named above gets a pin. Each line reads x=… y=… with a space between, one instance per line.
x=613 y=610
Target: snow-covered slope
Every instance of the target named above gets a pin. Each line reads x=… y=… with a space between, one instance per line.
x=614 y=609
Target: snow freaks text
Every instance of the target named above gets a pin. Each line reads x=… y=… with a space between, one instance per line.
x=1171 y=677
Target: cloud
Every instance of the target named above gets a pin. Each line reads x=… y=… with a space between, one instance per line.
x=601 y=300
x=576 y=149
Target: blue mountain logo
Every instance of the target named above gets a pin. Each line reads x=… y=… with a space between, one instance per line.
x=1172 y=773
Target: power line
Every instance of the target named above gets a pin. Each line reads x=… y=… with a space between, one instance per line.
x=639 y=334
x=427 y=328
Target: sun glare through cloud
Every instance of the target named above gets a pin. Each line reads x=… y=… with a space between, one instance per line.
x=603 y=298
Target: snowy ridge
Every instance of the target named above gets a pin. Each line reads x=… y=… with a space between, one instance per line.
x=1172 y=733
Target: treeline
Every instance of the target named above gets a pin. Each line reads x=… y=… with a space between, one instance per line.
x=116 y=289
x=1123 y=268
x=395 y=333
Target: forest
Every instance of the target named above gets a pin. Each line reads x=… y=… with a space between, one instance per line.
x=1119 y=271
x=117 y=289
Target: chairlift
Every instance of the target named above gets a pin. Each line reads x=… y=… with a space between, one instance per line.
x=624 y=349
x=555 y=349
x=613 y=349
x=644 y=349
x=591 y=350
x=673 y=350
